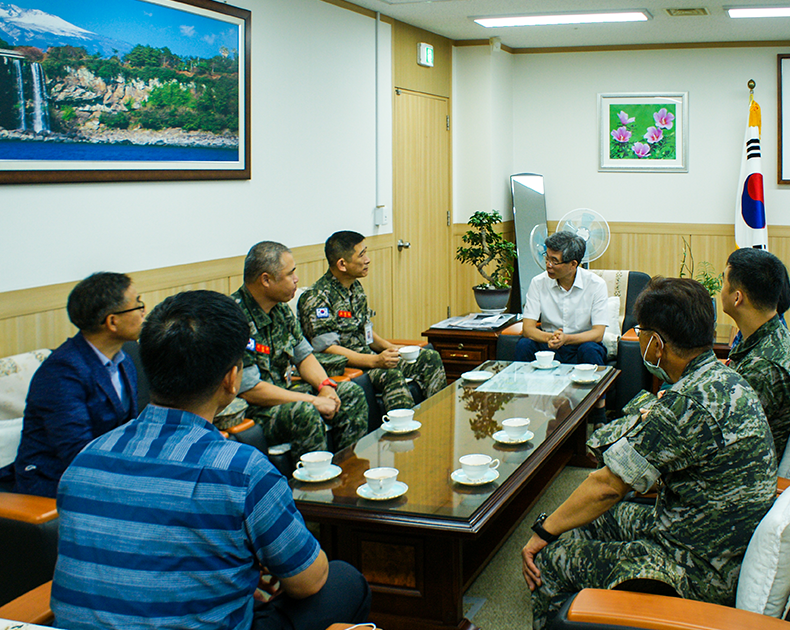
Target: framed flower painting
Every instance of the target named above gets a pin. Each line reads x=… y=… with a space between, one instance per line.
x=643 y=132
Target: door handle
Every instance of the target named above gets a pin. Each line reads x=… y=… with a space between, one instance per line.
x=402 y=245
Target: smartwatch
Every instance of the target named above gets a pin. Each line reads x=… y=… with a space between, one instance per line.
x=325 y=382
x=538 y=529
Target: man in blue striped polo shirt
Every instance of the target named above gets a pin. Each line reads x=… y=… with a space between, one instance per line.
x=166 y=524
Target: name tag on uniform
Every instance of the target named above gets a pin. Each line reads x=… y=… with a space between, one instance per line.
x=322 y=313
x=368 y=332
x=289 y=372
x=346 y=314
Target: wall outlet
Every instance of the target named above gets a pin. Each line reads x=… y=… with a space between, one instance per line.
x=381 y=215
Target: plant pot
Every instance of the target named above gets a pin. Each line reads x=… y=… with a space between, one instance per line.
x=491 y=298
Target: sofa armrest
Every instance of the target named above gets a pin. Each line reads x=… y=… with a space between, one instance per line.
x=32 y=607
x=27 y=508
x=599 y=607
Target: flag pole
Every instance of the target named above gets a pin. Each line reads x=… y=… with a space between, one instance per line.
x=751 y=229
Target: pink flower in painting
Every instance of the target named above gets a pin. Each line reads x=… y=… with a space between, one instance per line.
x=621 y=135
x=653 y=135
x=663 y=118
x=624 y=119
x=641 y=149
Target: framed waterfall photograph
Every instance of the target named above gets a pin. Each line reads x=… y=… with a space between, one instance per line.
x=125 y=90
x=643 y=132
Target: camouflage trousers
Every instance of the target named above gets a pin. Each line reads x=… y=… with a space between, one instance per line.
x=300 y=423
x=427 y=371
x=617 y=547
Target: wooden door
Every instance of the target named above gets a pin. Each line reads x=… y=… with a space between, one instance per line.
x=421 y=207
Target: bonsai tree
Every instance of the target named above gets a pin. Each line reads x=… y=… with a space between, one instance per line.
x=485 y=246
x=707 y=277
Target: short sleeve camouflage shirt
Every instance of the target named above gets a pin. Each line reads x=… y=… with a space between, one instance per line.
x=276 y=341
x=707 y=443
x=763 y=359
x=330 y=314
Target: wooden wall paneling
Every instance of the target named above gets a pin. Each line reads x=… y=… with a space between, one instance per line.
x=47 y=329
x=378 y=287
x=407 y=74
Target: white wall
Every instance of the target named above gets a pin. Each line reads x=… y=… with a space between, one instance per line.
x=313 y=165
x=482 y=131
x=555 y=130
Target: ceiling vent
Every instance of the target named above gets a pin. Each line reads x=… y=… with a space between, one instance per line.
x=687 y=12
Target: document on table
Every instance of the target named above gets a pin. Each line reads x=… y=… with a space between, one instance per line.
x=524 y=378
x=476 y=321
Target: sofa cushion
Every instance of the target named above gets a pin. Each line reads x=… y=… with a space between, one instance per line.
x=764 y=581
x=10 y=436
x=15 y=375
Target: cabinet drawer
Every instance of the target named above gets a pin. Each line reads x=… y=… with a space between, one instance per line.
x=460 y=351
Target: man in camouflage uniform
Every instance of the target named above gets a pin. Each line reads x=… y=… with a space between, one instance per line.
x=335 y=318
x=294 y=412
x=707 y=446
x=753 y=282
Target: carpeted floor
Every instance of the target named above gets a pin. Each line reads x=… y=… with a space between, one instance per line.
x=499 y=598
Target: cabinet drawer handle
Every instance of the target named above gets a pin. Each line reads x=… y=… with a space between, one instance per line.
x=460 y=346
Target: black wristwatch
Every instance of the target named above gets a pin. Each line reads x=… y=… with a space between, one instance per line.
x=538 y=529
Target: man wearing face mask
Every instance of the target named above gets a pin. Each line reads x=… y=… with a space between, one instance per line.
x=706 y=446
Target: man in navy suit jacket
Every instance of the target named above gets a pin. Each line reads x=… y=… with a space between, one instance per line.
x=86 y=387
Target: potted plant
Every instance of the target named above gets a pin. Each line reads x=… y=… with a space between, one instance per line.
x=707 y=277
x=485 y=246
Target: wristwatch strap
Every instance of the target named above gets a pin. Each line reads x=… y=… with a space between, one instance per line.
x=325 y=382
x=538 y=529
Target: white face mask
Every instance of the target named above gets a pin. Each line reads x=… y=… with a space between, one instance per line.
x=654 y=369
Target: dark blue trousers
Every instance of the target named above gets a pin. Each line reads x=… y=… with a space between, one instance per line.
x=344 y=598
x=587 y=352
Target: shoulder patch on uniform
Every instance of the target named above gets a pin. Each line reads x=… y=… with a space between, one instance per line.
x=322 y=312
x=251 y=345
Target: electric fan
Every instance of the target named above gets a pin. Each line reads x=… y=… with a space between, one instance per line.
x=591 y=227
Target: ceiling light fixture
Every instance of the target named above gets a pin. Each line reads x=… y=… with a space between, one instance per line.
x=563 y=18
x=763 y=12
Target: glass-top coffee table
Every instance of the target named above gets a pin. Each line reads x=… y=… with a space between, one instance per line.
x=421 y=550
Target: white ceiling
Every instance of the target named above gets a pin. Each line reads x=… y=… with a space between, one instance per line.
x=452 y=19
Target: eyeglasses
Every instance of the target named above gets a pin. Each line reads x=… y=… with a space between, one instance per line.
x=129 y=310
x=639 y=330
x=554 y=263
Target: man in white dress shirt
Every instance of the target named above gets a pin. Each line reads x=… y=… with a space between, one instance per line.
x=570 y=303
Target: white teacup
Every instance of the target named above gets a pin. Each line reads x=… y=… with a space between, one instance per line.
x=544 y=357
x=381 y=480
x=477 y=465
x=409 y=353
x=515 y=427
x=398 y=418
x=316 y=463
x=585 y=370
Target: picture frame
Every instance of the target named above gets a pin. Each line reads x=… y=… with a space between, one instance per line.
x=643 y=132
x=128 y=90
x=783 y=109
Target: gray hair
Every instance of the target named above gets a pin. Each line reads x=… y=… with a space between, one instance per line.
x=264 y=257
x=571 y=246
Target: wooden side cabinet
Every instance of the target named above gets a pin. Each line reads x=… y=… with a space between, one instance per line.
x=462 y=350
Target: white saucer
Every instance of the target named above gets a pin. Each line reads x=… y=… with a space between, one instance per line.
x=330 y=473
x=398 y=489
x=413 y=425
x=477 y=376
x=459 y=476
x=550 y=366
x=579 y=380
x=503 y=438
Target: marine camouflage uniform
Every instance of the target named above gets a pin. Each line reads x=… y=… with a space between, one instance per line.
x=278 y=346
x=331 y=315
x=764 y=361
x=707 y=444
